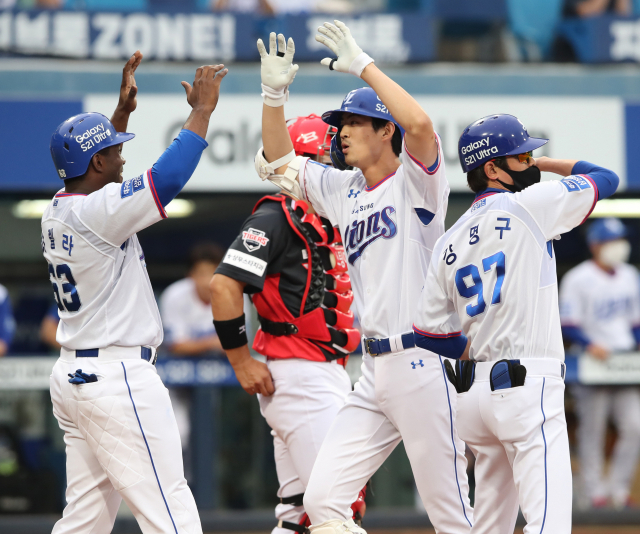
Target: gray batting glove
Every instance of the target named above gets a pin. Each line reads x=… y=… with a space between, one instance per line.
x=277 y=72
x=338 y=38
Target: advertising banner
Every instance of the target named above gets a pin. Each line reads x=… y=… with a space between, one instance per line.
x=234 y=134
x=209 y=37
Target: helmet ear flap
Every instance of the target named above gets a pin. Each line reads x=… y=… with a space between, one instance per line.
x=337 y=156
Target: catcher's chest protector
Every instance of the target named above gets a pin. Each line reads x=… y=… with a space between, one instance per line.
x=322 y=329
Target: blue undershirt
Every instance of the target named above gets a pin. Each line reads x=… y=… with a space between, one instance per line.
x=451 y=347
x=607 y=181
x=176 y=165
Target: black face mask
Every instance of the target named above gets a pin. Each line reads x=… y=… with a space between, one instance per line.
x=522 y=179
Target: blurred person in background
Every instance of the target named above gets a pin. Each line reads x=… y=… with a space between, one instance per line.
x=49 y=328
x=592 y=8
x=292 y=264
x=7 y=322
x=600 y=313
x=185 y=308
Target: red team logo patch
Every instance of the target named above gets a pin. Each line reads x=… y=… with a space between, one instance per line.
x=254 y=239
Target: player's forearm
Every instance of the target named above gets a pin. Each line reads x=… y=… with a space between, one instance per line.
x=198 y=121
x=563 y=167
x=227 y=300
x=4 y=347
x=402 y=106
x=120 y=119
x=275 y=135
x=606 y=180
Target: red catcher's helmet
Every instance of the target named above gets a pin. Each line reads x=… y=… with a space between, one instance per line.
x=311 y=136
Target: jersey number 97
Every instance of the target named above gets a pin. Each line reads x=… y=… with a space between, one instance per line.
x=476 y=289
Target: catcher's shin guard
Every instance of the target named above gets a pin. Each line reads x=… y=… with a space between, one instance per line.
x=337 y=526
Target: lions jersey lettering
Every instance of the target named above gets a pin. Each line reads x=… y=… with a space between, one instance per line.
x=389 y=231
x=96 y=265
x=503 y=238
x=378 y=224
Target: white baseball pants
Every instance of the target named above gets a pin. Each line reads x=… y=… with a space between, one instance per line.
x=594 y=406
x=122 y=442
x=519 y=439
x=307 y=398
x=400 y=396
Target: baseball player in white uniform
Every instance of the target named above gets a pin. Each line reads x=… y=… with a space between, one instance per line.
x=120 y=433
x=390 y=213
x=600 y=314
x=492 y=277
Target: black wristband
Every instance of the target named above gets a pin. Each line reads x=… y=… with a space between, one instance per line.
x=232 y=333
x=331 y=64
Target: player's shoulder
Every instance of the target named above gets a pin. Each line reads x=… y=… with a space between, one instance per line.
x=269 y=212
x=628 y=270
x=327 y=171
x=178 y=290
x=61 y=203
x=437 y=167
x=581 y=272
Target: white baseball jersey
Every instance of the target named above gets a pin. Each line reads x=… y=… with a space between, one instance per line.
x=184 y=315
x=97 y=267
x=388 y=232
x=606 y=306
x=493 y=273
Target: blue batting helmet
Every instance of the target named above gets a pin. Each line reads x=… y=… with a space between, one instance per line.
x=363 y=101
x=77 y=139
x=492 y=137
x=606 y=230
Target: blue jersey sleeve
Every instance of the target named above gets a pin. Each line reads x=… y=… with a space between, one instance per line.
x=7 y=322
x=447 y=346
x=607 y=181
x=176 y=165
x=574 y=334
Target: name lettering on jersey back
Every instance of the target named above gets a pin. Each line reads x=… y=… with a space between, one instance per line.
x=132 y=186
x=506 y=220
x=362 y=233
x=473 y=235
x=52 y=239
x=67 y=243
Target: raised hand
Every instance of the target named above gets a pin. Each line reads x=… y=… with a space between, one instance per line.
x=128 y=88
x=205 y=91
x=350 y=57
x=277 y=69
x=127 y=102
x=203 y=96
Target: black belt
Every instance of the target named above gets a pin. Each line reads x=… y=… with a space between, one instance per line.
x=377 y=347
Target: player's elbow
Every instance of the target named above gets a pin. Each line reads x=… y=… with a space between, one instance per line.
x=607 y=182
x=217 y=287
x=421 y=126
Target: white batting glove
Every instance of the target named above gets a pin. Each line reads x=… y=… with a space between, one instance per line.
x=277 y=72
x=339 y=40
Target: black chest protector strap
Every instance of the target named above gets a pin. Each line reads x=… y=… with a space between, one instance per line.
x=317 y=284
